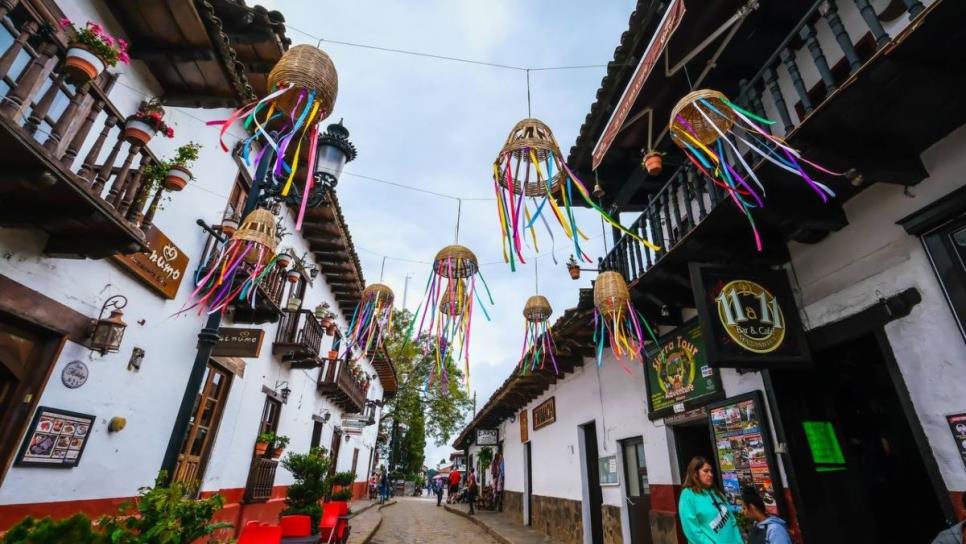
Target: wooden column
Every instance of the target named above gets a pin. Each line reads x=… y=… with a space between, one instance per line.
x=39 y=112
x=105 y=172
x=78 y=140
x=133 y=187
x=117 y=188
x=135 y=212
x=87 y=170
x=10 y=55
x=66 y=119
x=18 y=97
x=788 y=57
x=830 y=11
x=152 y=210
x=776 y=94
x=872 y=21
x=821 y=63
x=914 y=7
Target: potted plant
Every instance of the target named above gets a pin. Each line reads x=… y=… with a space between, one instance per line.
x=284 y=258
x=294 y=303
x=321 y=312
x=573 y=268
x=342 y=485
x=178 y=174
x=89 y=51
x=333 y=354
x=145 y=123
x=653 y=162
x=310 y=486
x=278 y=446
x=229 y=222
x=293 y=276
x=262 y=443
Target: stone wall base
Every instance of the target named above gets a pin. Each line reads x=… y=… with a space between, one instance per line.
x=611 y=522
x=513 y=506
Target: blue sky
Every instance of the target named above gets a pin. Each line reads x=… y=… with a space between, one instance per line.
x=438 y=125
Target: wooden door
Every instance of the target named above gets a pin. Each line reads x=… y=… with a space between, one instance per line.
x=638 y=491
x=203 y=426
x=334 y=451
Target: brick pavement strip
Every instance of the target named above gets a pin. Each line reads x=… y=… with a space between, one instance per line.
x=366 y=521
x=419 y=521
x=500 y=527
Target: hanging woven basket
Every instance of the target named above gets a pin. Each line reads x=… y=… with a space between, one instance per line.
x=687 y=122
x=306 y=67
x=537 y=309
x=454 y=299
x=380 y=292
x=529 y=139
x=455 y=261
x=610 y=293
x=258 y=227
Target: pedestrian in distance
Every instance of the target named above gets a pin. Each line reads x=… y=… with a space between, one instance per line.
x=454 y=485
x=438 y=490
x=955 y=534
x=768 y=529
x=471 y=489
x=383 y=487
x=706 y=517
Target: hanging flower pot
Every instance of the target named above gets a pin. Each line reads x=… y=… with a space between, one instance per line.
x=277 y=453
x=81 y=64
x=293 y=276
x=573 y=268
x=260 y=449
x=327 y=323
x=138 y=132
x=653 y=163
x=284 y=260
x=294 y=303
x=177 y=178
x=332 y=329
x=229 y=224
x=333 y=354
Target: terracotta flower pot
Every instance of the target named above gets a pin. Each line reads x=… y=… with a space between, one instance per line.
x=653 y=163
x=326 y=323
x=331 y=329
x=283 y=261
x=177 y=178
x=277 y=453
x=260 y=449
x=574 y=272
x=292 y=276
x=138 y=132
x=81 y=64
x=333 y=354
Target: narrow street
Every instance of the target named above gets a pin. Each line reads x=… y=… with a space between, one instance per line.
x=418 y=521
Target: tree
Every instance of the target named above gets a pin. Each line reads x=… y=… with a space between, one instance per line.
x=432 y=411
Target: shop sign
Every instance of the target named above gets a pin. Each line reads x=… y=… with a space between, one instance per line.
x=607 y=470
x=743 y=449
x=544 y=414
x=161 y=267
x=749 y=318
x=354 y=425
x=238 y=342
x=957 y=424
x=487 y=437
x=524 y=427
x=678 y=376
x=55 y=439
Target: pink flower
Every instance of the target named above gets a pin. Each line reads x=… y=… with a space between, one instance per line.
x=108 y=40
x=123 y=57
x=65 y=22
x=122 y=44
x=170 y=132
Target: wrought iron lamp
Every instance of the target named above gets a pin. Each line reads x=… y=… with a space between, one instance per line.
x=333 y=151
x=107 y=333
x=284 y=392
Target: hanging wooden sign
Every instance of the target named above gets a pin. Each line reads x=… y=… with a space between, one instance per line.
x=749 y=318
x=238 y=342
x=524 y=427
x=544 y=414
x=161 y=267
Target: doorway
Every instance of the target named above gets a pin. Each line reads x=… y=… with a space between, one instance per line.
x=203 y=426
x=527 y=485
x=692 y=439
x=638 y=491
x=593 y=497
x=861 y=473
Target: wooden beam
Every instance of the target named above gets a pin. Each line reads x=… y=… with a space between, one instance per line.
x=173 y=54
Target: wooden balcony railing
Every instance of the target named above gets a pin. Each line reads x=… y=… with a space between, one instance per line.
x=299 y=339
x=337 y=383
x=268 y=296
x=94 y=203
x=261 y=480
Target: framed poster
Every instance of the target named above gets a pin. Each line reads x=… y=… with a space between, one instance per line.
x=544 y=414
x=957 y=425
x=678 y=377
x=56 y=438
x=607 y=468
x=749 y=317
x=743 y=450
x=487 y=437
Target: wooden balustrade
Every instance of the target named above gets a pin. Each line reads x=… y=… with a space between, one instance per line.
x=63 y=119
x=299 y=339
x=261 y=480
x=336 y=382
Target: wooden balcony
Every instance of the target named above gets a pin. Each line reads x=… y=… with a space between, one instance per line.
x=336 y=383
x=261 y=480
x=268 y=297
x=299 y=339
x=66 y=169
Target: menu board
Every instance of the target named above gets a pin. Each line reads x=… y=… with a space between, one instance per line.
x=678 y=376
x=957 y=424
x=56 y=438
x=743 y=449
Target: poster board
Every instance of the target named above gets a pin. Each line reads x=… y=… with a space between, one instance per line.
x=957 y=425
x=743 y=449
x=607 y=470
x=678 y=376
x=55 y=439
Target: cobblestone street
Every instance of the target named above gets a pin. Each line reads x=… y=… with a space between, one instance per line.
x=419 y=521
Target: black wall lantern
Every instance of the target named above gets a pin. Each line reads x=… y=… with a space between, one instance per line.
x=107 y=333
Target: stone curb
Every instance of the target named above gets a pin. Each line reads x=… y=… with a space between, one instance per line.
x=476 y=520
x=375 y=528
x=387 y=505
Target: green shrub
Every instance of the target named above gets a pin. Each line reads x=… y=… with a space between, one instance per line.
x=344 y=478
x=342 y=495
x=76 y=529
x=311 y=485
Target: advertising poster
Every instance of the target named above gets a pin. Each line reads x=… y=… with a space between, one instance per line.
x=56 y=438
x=742 y=449
x=679 y=377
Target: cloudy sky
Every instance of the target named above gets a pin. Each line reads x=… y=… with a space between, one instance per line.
x=438 y=125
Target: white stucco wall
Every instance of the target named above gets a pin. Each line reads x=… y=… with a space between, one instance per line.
x=115 y=465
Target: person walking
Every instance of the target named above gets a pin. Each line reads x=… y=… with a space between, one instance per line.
x=768 y=529
x=706 y=517
x=471 y=489
x=454 y=485
x=383 y=487
x=955 y=534
x=438 y=490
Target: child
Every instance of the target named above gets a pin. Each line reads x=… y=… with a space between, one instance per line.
x=768 y=529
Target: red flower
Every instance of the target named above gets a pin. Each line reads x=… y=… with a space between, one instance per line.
x=65 y=22
x=169 y=132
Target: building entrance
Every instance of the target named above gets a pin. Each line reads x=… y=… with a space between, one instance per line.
x=861 y=473
x=691 y=439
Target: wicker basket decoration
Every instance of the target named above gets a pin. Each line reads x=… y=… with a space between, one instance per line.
x=616 y=320
x=531 y=166
x=446 y=311
x=372 y=314
x=538 y=344
x=249 y=253
x=303 y=87
x=709 y=128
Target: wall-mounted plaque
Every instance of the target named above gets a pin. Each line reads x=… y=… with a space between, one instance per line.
x=161 y=267
x=607 y=470
x=56 y=439
x=524 y=427
x=238 y=342
x=487 y=437
x=544 y=414
x=749 y=318
x=678 y=377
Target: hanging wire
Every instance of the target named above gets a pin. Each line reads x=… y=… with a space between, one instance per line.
x=383 y=269
x=536 y=276
x=529 y=113
x=459 y=215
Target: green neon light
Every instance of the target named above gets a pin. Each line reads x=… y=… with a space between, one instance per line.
x=824 y=444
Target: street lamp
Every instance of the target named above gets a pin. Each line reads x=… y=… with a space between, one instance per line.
x=333 y=151
x=106 y=333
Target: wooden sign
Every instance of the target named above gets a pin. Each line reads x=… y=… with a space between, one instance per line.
x=56 y=439
x=161 y=267
x=524 y=427
x=544 y=414
x=487 y=437
x=236 y=342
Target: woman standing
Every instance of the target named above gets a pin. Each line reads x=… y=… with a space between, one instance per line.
x=706 y=516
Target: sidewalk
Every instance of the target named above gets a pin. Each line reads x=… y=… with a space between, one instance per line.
x=499 y=526
x=365 y=520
